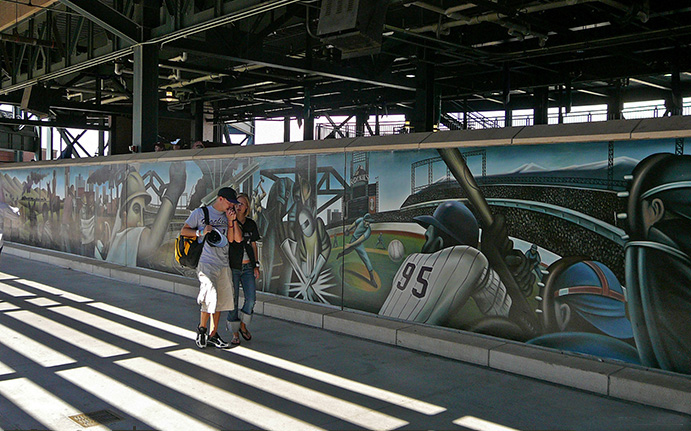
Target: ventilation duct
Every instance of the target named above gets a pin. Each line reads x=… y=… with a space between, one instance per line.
x=353 y=26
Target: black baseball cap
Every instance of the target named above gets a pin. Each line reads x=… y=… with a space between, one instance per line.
x=229 y=194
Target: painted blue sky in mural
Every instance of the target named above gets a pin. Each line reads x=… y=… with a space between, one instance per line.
x=393 y=170
x=389 y=166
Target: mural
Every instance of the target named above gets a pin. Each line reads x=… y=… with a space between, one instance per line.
x=585 y=251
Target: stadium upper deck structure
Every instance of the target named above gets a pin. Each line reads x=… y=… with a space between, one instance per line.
x=146 y=70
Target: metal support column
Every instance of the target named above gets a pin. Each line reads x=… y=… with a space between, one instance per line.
x=308 y=112
x=676 y=103
x=198 y=123
x=49 y=144
x=145 y=97
x=361 y=117
x=506 y=96
x=286 y=129
x=218 y=127
x=541 y=108
x=308 y=116
x=423 y=117
x=615 y=104
x=101 y=137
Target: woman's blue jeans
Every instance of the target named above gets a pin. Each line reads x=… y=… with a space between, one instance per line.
x=244 y=276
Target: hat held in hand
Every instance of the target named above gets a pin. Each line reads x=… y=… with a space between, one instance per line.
x=216 y=239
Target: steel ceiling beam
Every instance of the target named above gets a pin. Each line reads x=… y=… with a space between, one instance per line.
x=243 y=12
x=108 y=18
x=283 y=63
x=57 y=123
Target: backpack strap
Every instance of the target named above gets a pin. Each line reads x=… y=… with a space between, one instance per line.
x=206 y=214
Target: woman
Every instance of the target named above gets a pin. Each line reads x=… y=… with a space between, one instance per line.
x=245 y=267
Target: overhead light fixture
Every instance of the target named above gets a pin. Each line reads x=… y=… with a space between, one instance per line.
x=169 y=97
x=649 y=84
x=410 y=75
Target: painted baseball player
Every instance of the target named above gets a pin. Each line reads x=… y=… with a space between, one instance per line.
x=435 y=284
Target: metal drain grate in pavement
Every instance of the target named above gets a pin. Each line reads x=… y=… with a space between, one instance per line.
x=95 y=418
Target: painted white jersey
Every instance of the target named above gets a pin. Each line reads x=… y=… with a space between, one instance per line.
x=430 y=288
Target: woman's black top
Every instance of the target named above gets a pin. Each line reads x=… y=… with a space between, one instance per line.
x=250 y=234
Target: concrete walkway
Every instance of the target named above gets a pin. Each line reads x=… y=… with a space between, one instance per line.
x=77 y=345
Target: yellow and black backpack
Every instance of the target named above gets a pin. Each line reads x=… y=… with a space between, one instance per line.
x=187 y=249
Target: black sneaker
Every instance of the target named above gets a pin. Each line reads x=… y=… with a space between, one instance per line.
x=218 y=342
x=201 y=337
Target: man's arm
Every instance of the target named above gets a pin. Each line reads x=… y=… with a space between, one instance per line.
x=192 y=232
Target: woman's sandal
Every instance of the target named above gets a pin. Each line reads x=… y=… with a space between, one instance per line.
x=245 y=334
x=235 y=341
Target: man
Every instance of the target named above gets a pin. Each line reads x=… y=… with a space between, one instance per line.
x=213 y=271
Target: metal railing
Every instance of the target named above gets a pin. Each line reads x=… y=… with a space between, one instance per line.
x=476 y=120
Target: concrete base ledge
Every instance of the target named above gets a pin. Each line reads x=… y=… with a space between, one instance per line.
x=652 y=387
x=364 y=326
x=296 y=311
x=619 y=380
x=450 y=343
x=553 y=366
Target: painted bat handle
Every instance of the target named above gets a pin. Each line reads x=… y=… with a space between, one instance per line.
x=465 y=178
x=521 y=310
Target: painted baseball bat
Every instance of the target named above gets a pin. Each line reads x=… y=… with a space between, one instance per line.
x=520 y=309
x=290 y=257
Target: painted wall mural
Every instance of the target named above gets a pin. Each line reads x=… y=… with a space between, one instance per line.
x=579 y=247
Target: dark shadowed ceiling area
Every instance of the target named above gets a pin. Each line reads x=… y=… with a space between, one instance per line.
x=249 y=59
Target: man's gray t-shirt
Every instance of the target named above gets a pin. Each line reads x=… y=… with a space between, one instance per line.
x=211 y=255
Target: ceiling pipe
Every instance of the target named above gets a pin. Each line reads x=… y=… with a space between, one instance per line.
x=180 y=58
x=496 y=17
x=208 y=78
x=15 y=38
x=114 y=99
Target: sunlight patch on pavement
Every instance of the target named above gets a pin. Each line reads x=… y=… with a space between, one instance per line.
x=14 y=291
x=49 y=410
x=8 y=306
x=350 y=412
x=5 y=369
x=68 y=334
x=53 y=290
x=167 y=327
x=43 y=302
x=37 y=352
x=249 y=411
x=123 y=331
x=353 y=386
x=136 y=404
x=4 y=276
x=478 y=424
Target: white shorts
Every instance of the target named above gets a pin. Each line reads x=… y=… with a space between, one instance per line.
x=215 y=288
